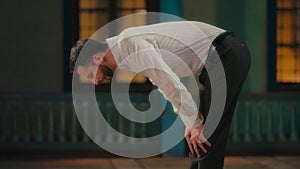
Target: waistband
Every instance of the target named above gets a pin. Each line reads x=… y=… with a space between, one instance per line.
x=221 y=37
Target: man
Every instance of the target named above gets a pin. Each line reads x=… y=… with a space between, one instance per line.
x=165 y=52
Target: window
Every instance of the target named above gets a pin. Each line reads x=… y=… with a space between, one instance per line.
x=288 y=43
x=93 y=14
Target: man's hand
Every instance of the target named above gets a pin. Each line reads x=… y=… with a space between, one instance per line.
x=195 y=139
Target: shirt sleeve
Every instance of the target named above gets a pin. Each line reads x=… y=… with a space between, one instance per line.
x=142 y=55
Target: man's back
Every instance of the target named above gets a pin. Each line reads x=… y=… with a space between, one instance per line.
x=189 y=41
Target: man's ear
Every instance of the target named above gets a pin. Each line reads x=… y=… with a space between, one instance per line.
x=97 y=58
x=79 y=70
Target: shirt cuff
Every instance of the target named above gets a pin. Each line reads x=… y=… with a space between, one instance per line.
x=198 y=121
x=192 y=122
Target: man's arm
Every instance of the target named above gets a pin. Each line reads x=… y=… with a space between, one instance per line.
x=144 y=56
x=183 y=104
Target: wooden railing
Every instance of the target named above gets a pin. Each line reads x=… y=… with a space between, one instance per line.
x=49 y=120
x=266 y=123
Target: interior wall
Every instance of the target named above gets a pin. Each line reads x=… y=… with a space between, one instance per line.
x=31 y=46
x=32 y=36
x=248 y=20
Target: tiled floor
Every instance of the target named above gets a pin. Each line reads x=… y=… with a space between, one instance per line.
x=232 y=162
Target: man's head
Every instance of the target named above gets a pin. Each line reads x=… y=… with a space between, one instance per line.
x=91 y=64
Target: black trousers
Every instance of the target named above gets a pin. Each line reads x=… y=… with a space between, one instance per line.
x=235 y=58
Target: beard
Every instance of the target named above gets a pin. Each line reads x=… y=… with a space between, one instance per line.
x=106 y=71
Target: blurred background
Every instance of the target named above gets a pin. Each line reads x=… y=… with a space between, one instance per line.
x=36 y=111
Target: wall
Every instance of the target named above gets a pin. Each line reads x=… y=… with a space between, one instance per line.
x=32 y=30
x=31 y=58
x=246 y=18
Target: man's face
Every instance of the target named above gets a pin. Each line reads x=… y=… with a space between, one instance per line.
x=95 y=72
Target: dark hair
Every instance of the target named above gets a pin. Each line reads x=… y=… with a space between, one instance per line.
x=86 y=48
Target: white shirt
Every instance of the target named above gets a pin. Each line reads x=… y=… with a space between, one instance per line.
x=164 y=53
